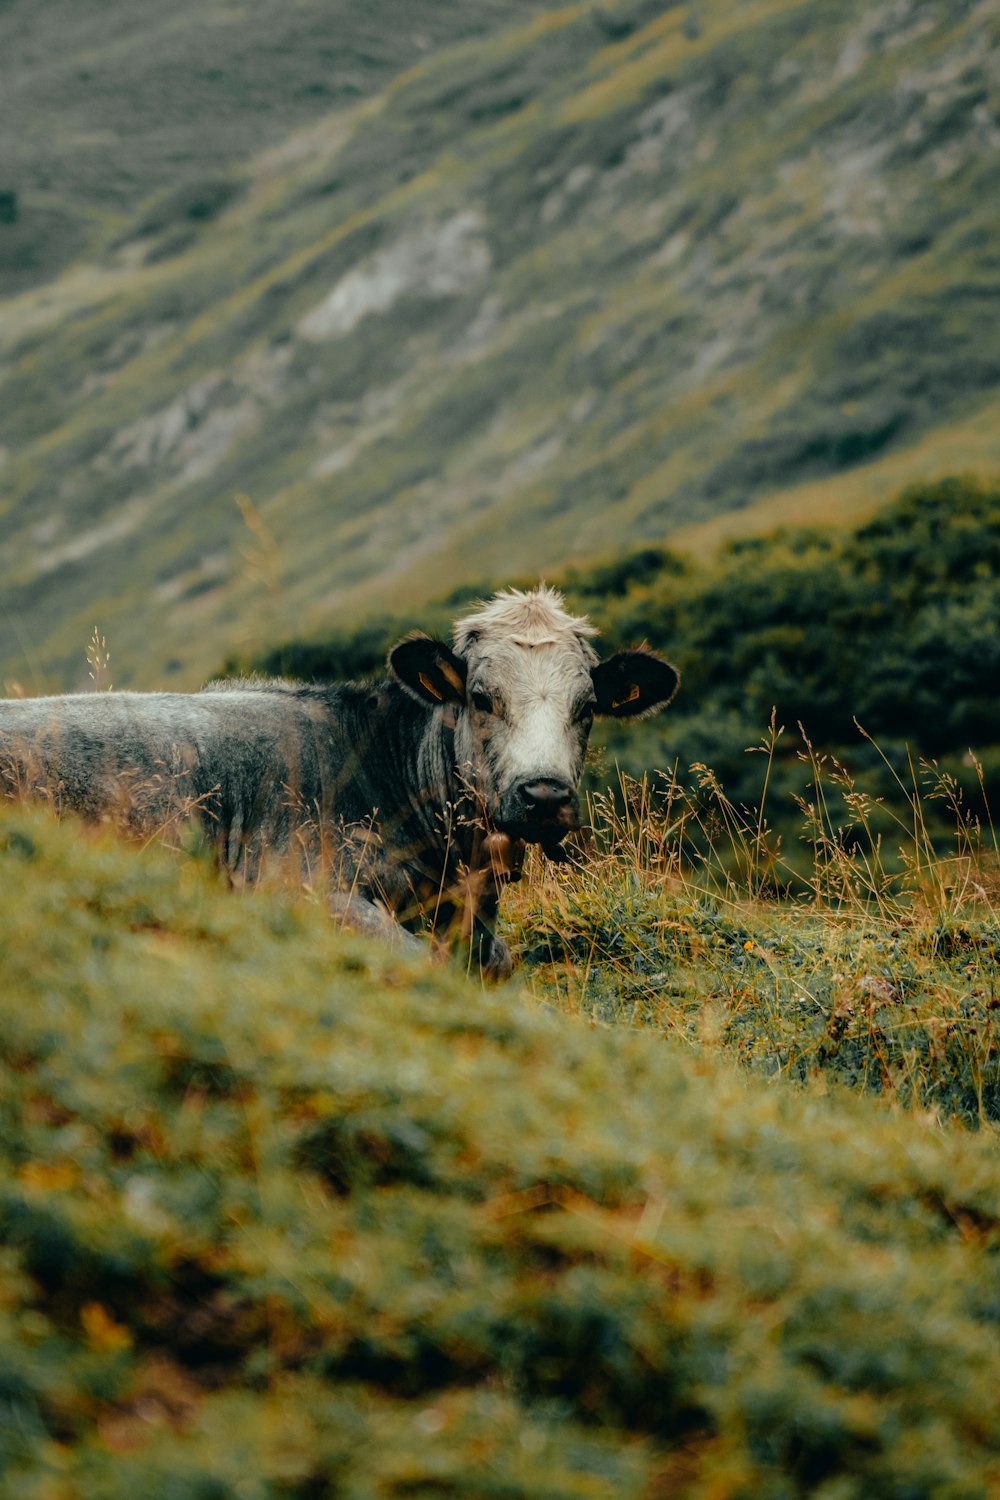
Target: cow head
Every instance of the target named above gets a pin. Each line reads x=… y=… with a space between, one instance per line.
x=523 y=685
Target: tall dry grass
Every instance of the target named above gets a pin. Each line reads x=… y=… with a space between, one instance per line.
x=849 y=956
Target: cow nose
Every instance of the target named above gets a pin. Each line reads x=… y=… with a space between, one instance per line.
x=546 y=797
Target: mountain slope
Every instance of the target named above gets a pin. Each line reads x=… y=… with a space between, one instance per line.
x=624 y=268
x=104 y=104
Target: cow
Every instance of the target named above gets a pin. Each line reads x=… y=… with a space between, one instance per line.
x=414 y=794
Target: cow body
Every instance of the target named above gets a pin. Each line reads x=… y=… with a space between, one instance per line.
x=412 y=794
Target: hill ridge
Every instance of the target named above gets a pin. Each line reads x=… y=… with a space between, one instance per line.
x=754 y=269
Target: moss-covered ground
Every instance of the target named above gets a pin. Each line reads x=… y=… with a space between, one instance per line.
x=284 y=1215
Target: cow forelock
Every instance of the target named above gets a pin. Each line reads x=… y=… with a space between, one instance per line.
x=528 y=617
x=529 y=693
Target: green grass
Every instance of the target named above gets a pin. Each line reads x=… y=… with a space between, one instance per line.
x=725 y=259
x=279 y=1208
x=871 y=963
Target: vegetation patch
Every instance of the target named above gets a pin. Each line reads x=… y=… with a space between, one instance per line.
x=678 y=917
x=282 y=1210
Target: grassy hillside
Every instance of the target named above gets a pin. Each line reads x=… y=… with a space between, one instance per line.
x=286 y=1216
x=621 y=268
x=878 y=646
x=878 y=979
x=106 y=105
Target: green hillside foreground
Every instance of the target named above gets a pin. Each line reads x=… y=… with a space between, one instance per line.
x=619 y=269
x=284 y=1215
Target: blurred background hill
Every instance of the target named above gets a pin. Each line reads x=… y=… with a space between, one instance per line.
x=312 y=316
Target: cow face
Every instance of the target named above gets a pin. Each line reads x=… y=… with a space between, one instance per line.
x=523 y=686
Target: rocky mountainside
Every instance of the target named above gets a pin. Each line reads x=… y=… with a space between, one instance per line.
x=105 y=104
x=617 y=271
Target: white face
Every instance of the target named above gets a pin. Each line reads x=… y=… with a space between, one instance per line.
x=523 y=735
x=521 y=689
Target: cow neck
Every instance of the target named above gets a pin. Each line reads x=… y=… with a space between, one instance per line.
x=447 y=804
x=413 y=780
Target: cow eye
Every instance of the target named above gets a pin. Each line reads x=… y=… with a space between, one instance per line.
x=482 y=702
x=585 y=713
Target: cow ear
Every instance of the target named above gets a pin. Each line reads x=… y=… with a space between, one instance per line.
x=633 y=682
x=429 y=670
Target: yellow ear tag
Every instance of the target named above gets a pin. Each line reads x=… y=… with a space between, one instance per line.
x=452 y=676
x=630 y=696
x=430 y=687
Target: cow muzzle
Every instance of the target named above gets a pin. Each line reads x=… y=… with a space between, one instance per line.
x=540 y=811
